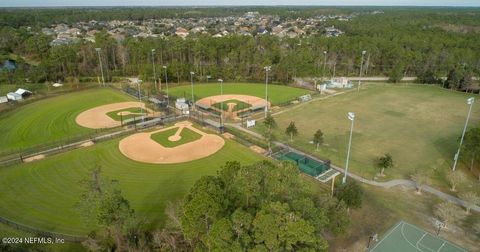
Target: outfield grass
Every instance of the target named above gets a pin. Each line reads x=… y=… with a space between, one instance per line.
x=277 y=94
x=51 y=119
x=187 y=135
x=239 y=105
x=418 y=125
x=115 y=116
x=43 y=194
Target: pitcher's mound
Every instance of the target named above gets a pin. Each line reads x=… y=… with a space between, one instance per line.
x=141 y=147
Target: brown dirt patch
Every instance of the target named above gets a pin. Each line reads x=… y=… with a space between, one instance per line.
x=86 y=144
x=252 y=100
x=257 y=149
x=140 y=147
x=228 y=135
x=34 y=158
x=97 y=118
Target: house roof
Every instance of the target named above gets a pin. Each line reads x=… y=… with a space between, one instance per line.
x=22 y=91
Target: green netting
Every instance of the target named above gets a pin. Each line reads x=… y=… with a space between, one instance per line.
x=305 y=164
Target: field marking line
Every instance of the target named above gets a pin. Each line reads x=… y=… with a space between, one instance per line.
x=461 y=249
x=388 y=234
x=443 y=244
x=419 y=240
x=407 y=240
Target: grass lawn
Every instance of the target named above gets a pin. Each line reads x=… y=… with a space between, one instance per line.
x=51 y=119
x=277 y=94
x=418 y=125
x=239 y=105
x=187 y=135
x=115 y=116
x=43 y=194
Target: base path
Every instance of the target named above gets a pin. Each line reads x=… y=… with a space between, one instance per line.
x=142 y=148
x=97 y=118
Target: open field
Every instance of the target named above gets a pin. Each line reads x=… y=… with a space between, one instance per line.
x=418 y=125
x=277 y=94
x=43 y=194
x=51 y=119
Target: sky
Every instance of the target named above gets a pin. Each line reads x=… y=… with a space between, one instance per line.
x=52 y=3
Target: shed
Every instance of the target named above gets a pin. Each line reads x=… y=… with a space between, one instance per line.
x=23 y=92
x=14 y=96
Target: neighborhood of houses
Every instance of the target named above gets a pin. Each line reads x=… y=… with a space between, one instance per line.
x=249 y=24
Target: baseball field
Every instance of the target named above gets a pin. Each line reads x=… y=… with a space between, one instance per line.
x=277 y=94
x=418 y=125
x=43 y=194
x=51 y=119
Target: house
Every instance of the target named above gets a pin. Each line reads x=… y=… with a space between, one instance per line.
x=14 y=96
x=340 y=82
x=181 y=32
x=23 y=92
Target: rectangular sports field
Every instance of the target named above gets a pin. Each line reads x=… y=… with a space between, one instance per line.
x=405 y=237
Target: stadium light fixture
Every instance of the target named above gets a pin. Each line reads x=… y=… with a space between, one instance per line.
x=351 y=117
x=470 y=102
x=101 y=65
x=191 y=81
x=361 y=71
x=267 y=69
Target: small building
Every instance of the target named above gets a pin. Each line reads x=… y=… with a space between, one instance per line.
x=340 y=82
x=14 y=96
x=181 y=104
x=23 y=92
x=3 y=99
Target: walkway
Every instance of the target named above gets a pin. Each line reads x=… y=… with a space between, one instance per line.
x=386 y=184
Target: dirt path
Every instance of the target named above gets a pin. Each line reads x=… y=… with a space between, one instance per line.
x=140 y=147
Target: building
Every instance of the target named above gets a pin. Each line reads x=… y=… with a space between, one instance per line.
x=14 y=96
x=340 y=82
x=181 y=104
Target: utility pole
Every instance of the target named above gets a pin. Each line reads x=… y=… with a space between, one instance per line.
x=191 y=81
x=154 y=70
x=267 y=69
x=101 y=65
x=361 y=70
x=351 y=117
x=221 y=103
x=470 y=102
x=324 y=64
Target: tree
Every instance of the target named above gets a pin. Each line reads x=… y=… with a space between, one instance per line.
x=455 y=178
x=291 y=130
x=471 y=145
x=471 y=199
x=384 y=162
x=270 y=122
x=420 y=179
x=448 y=212
x=269 y=138
x=318 y=138
x=351 y=193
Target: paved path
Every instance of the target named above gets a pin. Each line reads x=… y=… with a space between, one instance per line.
x=386 y=184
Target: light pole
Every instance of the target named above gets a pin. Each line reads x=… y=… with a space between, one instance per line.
x=154 y=70
x=470 y=102
x=221 y=103
x=140 y=98
x=166 y=83
x=324 y=63
x=361 y=70
x=267 y=69
x=351 y=117
x=191 y=81
x=101 y=65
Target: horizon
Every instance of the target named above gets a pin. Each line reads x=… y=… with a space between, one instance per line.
x=246 y=3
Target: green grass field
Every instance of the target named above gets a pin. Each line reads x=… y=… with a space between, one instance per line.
x=51 y=119
x=115 y=116
x=186 y=135
x=43 y=194
x=418 y=125
x=277 y=94
x=239 y=105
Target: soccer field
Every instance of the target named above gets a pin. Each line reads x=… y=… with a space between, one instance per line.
x=51 y=119
x=43 y=194
x=277 y=94
x=418 y=125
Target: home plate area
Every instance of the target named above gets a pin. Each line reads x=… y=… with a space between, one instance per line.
x=176 y=144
